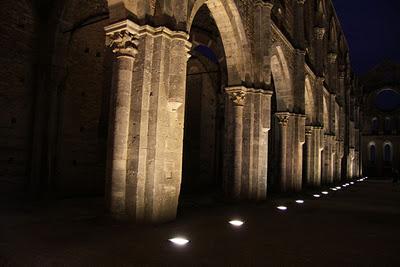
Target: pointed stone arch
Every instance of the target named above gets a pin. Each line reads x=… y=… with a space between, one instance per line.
x=309 y=102
x=282 y=81
x=333 y=40
x=233 y=35
x=326 y=113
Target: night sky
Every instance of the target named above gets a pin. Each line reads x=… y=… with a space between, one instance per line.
x=372 y=29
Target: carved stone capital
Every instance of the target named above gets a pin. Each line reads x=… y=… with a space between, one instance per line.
x=237 y=95
x=332 y=57
x=319 y=33
x=283 y=118
x=308 y=130
x=123 y=43
x=264 y=3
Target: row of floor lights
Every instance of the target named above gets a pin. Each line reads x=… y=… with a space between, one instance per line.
x=182 y=241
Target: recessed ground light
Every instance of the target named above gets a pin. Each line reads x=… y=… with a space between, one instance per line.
x=316 y=195
x=351 y=182
x=236 y=223
x=324 y=192
x=281 y=208
x=338 y=187
x=299 y=201
x=180 y=241
x=334 y=189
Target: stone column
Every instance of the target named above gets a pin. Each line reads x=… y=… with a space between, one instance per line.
x=124 y=45
x=283 y=119
x=297 y=154
x=309 y=154
x=265 y=126
x=237 y=95
x=152 y=130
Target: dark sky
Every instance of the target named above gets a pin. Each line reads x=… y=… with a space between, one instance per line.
x=372 y=29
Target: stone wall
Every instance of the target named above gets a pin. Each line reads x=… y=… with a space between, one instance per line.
x=17 y=61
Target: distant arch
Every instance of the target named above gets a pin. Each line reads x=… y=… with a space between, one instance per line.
x=372 y=151
x=326 y=113
x=387 y=151
x=333 y=41
x=282 y=81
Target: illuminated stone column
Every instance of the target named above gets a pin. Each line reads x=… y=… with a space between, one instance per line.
x=313 y=155
x=297 y=153
x=283 y=120
x=149 y=135
x=237 y=97
x=255 y=144
x=264 y=119
x=124 y=45
x=319 y=147
x=309 y=154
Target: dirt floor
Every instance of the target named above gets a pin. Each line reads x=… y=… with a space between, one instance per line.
x=357 y=226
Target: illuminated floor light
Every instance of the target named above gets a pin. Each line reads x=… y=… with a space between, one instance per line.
x=334 y=189
x=180 y=241
x=338 y=187
x=324 y=193
x=236 y=223
x=281 y=208
x=316 y=195
x=299 y=201
x=351 y=182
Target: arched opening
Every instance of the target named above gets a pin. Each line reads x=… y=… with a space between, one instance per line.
x=387 y=152
x=387 y=158
x=372 y=153
x=204 y=113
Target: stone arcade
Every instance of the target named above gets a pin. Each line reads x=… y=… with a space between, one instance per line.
x=240 y=96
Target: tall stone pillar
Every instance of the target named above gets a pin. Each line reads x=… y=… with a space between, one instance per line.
x=309 y=155
x=257 y=154
x=297 y=153
x=283 y=120
x=124 y=45
x=246 y=158
x=237 y=97
x=147 y=124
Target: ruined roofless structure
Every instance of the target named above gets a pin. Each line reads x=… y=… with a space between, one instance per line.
x=157 y=99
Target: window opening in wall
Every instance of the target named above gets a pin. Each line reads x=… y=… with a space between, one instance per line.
x=387 y=152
